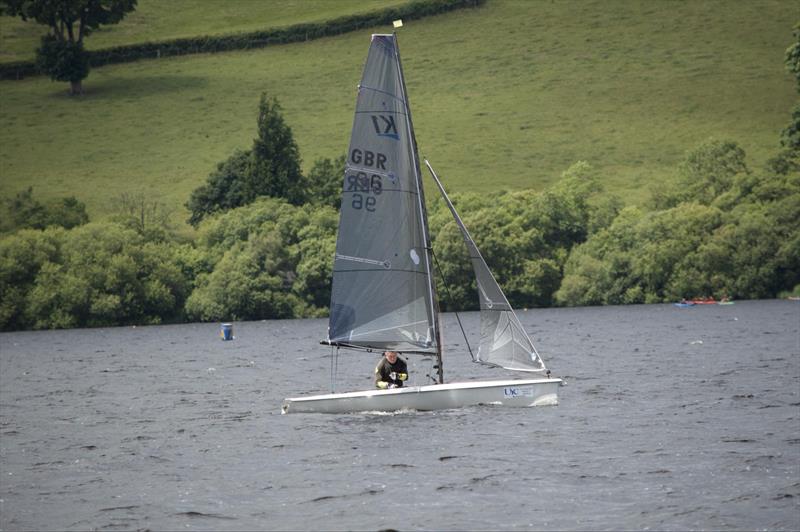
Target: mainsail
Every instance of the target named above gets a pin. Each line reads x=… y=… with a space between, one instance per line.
x=504 y=341
x=382 y=295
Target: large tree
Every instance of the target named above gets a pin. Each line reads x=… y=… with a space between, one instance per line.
x=791 y=135
x=270 y=168
x=62 y=55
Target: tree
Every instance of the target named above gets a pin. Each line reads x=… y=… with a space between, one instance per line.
x=62 y=55
x=706 y=172
x=224 y=188
x=148 y=217
x=23 y=211
x=268 y=259
x=724 y=231
x=106 y=274
x=270 y=168
x=325 y=182
x=788 y=159
x=525 y=237
x=95 y=274
x=275 y=165
x=22 y=256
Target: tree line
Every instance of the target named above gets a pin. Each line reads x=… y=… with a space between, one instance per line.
x=568 y=245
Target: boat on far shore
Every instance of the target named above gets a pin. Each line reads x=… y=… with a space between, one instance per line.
x=684 y=303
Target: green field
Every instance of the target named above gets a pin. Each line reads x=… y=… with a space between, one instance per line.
x=506 y=95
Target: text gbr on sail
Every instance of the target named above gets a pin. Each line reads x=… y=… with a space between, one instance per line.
x=368 y=158
x=365 y=187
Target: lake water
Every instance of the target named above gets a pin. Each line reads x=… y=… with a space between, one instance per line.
x=672 y=419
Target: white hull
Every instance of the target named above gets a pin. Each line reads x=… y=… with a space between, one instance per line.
x=529 y=392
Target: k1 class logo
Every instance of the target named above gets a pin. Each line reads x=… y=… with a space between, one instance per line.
x=384 y=126
x=517 y=391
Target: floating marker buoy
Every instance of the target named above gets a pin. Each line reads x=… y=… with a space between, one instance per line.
x=226 y=331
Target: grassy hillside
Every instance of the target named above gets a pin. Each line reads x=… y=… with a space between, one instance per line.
x=507 y=95
x=158 y=20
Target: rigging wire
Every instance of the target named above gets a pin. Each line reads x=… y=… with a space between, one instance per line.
x=450 y=297
x=332 y=385
x=334 y=367
x=429 y=372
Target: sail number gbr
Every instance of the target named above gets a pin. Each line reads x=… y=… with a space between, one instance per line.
x=365 y=186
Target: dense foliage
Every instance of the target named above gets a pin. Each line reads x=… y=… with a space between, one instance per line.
x=23 y=211
x=62 y=55
x=324 y=182
x=148 y=217
x=789 y=158
x=737 y=234
x=270 y=168
x=266 y=260
x=95 y=274
x=525 y=237
x=722 y=231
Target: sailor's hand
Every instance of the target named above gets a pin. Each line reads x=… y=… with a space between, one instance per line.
x=402 y=376
x=391 y=386
x=382 y=385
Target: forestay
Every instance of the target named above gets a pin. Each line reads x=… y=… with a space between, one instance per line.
x=504 y=341
x=382 y=295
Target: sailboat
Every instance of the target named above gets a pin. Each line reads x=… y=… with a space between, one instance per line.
x=383 y=294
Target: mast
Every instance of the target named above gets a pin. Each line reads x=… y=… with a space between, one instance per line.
x=434 y=301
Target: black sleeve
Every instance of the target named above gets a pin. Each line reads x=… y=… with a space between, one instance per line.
x=380 y=369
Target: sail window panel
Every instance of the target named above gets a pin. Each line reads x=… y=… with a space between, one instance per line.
x=375 y=291
x=403 y=328
x=381 y=309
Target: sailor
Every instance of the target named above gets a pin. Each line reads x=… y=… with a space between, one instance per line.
x=391 y=371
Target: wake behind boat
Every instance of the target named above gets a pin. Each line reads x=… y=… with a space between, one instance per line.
x=383 y=295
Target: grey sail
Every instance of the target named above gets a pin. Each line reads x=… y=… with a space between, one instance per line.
x=382 y=295
x=504 y=341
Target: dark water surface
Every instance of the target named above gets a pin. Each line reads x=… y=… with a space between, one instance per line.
x=672 y=419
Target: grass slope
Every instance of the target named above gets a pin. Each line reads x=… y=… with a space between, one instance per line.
x=507 y=95
x=158 y=20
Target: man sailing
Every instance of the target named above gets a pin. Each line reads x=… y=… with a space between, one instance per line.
x=391 y=371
